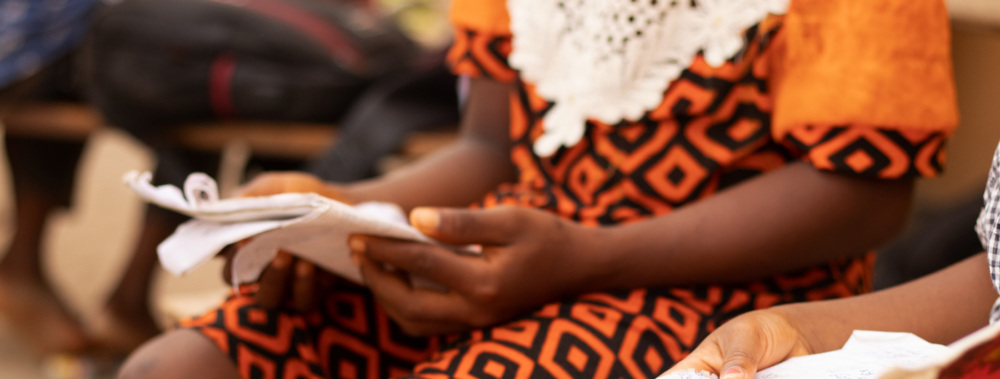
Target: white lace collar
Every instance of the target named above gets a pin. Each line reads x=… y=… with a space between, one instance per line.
x=612 y=60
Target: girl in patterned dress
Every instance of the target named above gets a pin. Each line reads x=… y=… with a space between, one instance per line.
x=641 y=172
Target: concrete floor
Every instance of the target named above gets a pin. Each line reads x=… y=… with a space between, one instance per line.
x=88 y=245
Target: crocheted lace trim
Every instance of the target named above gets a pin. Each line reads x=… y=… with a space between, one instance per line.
x=612 y=60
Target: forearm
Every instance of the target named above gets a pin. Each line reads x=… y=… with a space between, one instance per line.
x=791 y=218
x=940 y=308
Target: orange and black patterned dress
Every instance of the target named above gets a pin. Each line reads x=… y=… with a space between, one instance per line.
x=858 y=87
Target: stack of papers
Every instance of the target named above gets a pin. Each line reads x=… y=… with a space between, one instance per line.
x=866 y=355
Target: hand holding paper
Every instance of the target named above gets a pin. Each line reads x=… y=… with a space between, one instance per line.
x=866 y=355
x=307 y=225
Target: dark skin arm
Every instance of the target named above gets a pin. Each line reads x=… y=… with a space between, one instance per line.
x=940 y=308
x=788 y=219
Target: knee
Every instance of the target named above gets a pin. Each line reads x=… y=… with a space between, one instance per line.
x=178 y=354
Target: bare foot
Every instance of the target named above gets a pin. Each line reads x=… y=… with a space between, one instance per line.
x=121 y=332
x=36 y=316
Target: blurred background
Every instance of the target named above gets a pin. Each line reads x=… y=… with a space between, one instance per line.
x=88 y=245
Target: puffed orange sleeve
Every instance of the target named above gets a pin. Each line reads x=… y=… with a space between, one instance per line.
x=482 y=39
x=865 y=87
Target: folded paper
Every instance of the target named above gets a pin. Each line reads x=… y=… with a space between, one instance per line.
x=307 y=225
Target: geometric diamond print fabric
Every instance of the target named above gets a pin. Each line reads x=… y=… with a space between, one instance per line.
x=628 y=334
x=874 y=152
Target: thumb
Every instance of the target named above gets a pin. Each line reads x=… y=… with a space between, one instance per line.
x=743 y=349
x=738 y=365
x=464 y=226
x=730 y=355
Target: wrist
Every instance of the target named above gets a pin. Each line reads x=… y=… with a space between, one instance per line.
x=376 y=189
x=595 y=258
x=341 y=192
x=817 y=331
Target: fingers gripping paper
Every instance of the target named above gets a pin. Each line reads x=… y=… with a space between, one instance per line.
x=307 y=225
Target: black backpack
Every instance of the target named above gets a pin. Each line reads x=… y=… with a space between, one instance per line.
x=161 y=62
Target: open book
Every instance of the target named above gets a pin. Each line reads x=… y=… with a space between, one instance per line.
x=307 y=225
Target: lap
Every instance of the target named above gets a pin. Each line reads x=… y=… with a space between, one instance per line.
x=637 y=333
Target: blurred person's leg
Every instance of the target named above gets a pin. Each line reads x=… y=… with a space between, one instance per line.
x=42 y=172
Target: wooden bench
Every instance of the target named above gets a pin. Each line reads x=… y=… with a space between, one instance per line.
x=236 y=141
x=70 y=121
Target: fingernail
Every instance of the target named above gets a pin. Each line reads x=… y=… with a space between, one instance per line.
x=733 y=373
x=357 y=244
x=425 y=218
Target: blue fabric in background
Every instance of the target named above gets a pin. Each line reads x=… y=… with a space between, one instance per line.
x=33 y=33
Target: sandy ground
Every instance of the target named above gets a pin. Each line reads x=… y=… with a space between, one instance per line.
x=88 y=245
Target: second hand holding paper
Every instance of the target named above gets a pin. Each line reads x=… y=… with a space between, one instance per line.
x=307 y=225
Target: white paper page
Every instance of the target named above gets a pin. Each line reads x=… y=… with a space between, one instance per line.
x=307 y=225
x=866 y=355
x=195 y=242
x=321 y=239
x=932 y=367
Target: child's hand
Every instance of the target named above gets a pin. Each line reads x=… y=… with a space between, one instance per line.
x=527 y=260
x=745 y=344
